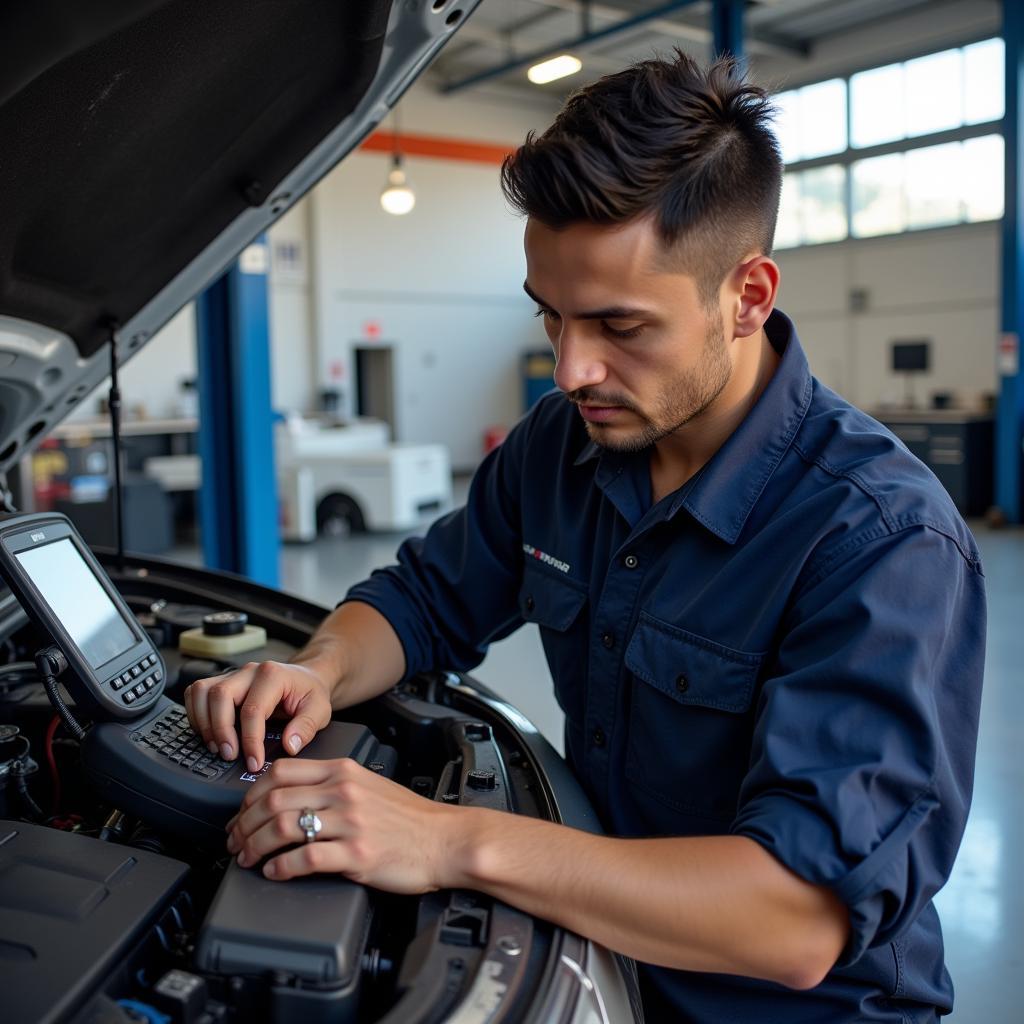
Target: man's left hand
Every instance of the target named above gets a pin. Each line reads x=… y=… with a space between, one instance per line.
x=374 y=830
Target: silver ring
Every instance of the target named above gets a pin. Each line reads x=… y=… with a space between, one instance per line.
x=310 y=824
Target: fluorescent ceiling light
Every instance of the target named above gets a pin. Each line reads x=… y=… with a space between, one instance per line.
x=397 y=197
x=550 y=70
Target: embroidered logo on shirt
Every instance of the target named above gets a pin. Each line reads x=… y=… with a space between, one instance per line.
x=543 y=556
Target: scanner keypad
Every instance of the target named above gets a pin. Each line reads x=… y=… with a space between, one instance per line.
x=138 y=679
x=172 y=736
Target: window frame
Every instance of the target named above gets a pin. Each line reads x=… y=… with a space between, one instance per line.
x=851 y=155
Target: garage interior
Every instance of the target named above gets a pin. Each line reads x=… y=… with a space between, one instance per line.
x=399 y=349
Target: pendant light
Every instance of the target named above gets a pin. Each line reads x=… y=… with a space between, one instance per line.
x=397 y=197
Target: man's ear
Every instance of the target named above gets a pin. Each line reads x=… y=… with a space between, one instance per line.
x=754 y=285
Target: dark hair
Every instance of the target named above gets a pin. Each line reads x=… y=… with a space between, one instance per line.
x=691 y=146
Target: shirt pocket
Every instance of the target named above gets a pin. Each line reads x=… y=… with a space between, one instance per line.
x=556 y=605
x=690 y=722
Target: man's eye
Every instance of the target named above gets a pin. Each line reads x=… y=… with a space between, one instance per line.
x=548 y=314
x=622 y=332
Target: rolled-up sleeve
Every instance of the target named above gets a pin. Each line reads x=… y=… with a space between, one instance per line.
x=862 y=760
x=453 y=591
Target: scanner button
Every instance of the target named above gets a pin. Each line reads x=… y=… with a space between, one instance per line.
x=136 y=670
x=157 y=674
x=149 y=682
x=117 y=682
x=129 y=697
x=140 y=689
x=126 y=677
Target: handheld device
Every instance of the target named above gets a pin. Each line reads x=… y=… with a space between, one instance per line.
x=115 y=670
x=141 y=752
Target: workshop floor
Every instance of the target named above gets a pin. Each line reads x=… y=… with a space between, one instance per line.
x=982 y=907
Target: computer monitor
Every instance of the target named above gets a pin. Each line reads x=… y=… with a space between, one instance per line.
x=910 y=356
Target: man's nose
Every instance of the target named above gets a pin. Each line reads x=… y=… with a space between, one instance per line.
x=578 y=363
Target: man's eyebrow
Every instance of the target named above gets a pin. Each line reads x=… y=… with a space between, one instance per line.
x=611 y=313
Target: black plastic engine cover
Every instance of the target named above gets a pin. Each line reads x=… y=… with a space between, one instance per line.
x=72 y=908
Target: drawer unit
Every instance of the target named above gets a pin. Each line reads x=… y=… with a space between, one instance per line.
x=956 y=447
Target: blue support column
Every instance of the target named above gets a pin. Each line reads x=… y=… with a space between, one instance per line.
x=238 y=512
x=1010 y=413
x=727 y=27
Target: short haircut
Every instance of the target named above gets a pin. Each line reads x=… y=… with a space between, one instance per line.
x=691 y=147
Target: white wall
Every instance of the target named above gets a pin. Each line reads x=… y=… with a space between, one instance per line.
x=942 y=285
x=443 y=284
x=292 y=368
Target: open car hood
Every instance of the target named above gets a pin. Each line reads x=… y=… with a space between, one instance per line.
x=147 y=142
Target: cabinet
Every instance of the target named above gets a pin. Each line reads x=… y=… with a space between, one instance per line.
x=956 y=446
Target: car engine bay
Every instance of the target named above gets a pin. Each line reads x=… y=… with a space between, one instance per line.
x=117 y=911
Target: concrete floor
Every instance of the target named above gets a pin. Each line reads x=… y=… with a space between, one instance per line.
x=982 y=906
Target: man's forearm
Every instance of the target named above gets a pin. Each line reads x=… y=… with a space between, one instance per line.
x=356 y=652
x=720 y=904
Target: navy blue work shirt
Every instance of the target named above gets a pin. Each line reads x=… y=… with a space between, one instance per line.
x=789 y=647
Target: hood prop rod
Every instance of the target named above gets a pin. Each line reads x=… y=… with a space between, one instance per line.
x=114 y=406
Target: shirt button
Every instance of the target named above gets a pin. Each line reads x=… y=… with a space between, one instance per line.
x=608 y=640
x=682 y=684
x=631 y=561
x=599 y=737
x=529 y=604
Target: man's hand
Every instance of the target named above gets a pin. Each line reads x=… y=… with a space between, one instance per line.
x=716 y=903
x=374 y=830
x=354 y=656
x=258 y=690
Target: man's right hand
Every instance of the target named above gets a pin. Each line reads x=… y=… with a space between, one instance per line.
x=258 y=691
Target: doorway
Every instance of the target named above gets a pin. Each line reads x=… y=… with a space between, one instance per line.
x=375 y=384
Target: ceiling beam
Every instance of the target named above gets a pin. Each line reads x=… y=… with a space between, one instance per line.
x=474 y=37
x=587 y=39
x=755 y=40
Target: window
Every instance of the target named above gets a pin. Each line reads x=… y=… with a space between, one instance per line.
x=876 y=106
x=955 y=183
x=905 y=184
x=878 y=207
x=984 y=95
x=934 y=93
x=983 y=178
x=934 y=185
x=812 y=121
x=813 y=207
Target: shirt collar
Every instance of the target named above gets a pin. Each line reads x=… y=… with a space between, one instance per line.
x=723 y=494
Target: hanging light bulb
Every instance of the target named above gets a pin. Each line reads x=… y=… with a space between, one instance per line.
x=396 y=196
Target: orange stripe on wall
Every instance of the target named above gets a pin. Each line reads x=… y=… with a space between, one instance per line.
x=438 y=148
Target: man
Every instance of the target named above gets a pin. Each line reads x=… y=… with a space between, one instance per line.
x=764 y=619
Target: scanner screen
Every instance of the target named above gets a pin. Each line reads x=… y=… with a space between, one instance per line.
x=74 y=594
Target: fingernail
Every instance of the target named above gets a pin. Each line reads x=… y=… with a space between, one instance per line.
x=270 y=870
x=243 y=859
x=232 y=844
x=211 y=747
x=293 y=744
x=252 y=765
x=226 y=752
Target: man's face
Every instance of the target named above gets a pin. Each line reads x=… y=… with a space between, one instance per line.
x=636 y=349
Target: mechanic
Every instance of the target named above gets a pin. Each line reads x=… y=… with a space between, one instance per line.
x=764 y=619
